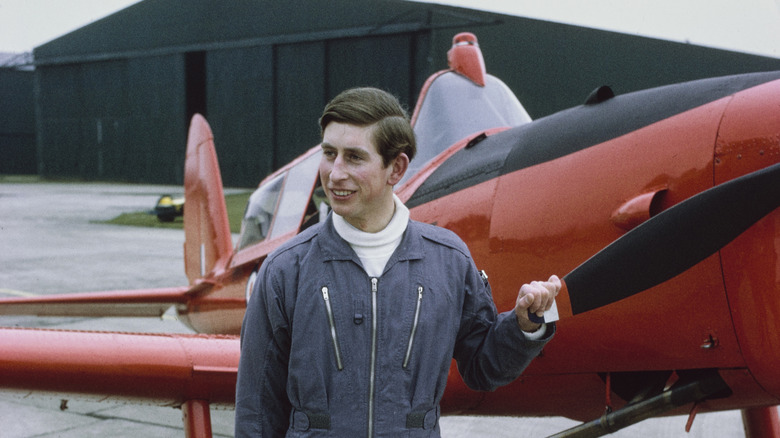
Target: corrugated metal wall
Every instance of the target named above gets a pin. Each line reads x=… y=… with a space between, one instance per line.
x=113 y=120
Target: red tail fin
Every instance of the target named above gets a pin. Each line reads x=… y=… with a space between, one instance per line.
x=207 y=244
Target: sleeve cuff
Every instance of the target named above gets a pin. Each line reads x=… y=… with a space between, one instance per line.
x=537 y=335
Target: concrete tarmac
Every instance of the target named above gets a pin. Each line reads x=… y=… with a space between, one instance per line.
x=51 y=242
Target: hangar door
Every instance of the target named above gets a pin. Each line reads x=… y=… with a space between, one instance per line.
x=264 y=102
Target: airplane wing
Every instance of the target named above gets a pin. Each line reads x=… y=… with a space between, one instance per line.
x=122 y=303
x=191 y=371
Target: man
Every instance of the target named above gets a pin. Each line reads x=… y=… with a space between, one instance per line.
x=353 y=323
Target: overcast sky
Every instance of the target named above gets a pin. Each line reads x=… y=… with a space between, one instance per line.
x=25 y=24
x=751 y=26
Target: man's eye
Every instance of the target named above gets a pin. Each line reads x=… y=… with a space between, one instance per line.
x=355 y=157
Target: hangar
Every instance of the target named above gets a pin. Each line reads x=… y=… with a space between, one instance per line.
x=113 y=99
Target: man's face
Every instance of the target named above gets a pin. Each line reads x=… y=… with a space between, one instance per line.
x=357 y=184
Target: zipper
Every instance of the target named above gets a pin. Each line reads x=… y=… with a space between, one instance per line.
x=414 y=326
x=332 y=322
x=372 y=372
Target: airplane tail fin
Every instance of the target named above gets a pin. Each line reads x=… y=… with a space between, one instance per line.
x=208 y=243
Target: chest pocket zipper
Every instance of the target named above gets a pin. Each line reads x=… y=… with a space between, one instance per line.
x=414 y=326
x=332 y=323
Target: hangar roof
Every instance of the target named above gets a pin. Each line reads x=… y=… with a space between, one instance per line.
x=163 y=26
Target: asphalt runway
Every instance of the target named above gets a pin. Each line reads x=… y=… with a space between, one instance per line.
x=50 y=242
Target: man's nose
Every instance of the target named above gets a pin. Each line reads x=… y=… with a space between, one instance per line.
x=338 y=171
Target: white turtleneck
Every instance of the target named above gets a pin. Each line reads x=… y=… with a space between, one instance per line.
x=375 y=249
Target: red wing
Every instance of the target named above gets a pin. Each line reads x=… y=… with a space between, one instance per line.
x=162 y=369
x=122 y=303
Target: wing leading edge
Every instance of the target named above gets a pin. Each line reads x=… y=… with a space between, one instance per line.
x=122 y=303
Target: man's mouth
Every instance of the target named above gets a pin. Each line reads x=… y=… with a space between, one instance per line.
x=342 y=192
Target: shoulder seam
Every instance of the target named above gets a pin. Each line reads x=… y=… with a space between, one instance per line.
x=302 y=238
x=444 y=237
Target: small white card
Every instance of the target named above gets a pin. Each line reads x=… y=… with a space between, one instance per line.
x=552 y=314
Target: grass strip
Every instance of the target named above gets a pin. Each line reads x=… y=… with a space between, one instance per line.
x=236 y=204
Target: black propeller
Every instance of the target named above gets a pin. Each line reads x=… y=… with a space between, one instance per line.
x=673 y=241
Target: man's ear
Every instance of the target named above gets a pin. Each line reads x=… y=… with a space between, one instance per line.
x=399 y=166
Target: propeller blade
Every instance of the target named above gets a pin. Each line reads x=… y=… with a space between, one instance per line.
x=674 y=240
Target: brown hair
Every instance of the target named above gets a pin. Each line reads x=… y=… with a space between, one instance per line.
x=367 y=106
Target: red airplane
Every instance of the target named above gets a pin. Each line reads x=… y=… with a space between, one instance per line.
x=659 y=206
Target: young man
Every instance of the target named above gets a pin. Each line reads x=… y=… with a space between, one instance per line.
x=353 y=323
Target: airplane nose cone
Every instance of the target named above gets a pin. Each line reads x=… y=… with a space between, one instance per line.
x=748 y=140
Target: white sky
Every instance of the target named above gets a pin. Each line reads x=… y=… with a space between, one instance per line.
x=25 y=24
x=751 y=26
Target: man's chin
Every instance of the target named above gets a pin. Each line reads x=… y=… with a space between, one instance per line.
x=339 y=208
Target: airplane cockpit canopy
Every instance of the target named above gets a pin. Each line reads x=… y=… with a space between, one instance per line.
x=455 y=107
x=280 y=205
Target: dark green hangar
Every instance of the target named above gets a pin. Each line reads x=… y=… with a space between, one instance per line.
x=113 y=99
